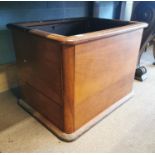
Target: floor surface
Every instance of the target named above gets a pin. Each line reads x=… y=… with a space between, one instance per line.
x=131 y=128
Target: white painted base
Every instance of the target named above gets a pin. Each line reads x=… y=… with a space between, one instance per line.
x=83 y=129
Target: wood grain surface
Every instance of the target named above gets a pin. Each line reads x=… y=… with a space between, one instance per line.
x=104 y=73
x=72 y=79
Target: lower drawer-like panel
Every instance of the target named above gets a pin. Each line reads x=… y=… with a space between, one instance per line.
x=72 y=136
x=51 y=110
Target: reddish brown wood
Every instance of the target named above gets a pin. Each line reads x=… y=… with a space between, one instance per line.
x=71 y=79
x=49 y=109
x=68 y=65
x=39 y=62
x=104 y=72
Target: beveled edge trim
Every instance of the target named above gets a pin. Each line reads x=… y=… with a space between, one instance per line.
x=90 y=36
x=85 y=37
x=73 y=136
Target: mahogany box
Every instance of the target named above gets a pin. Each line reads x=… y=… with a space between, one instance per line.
x=74 y=72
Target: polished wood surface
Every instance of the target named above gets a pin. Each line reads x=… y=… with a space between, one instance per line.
x=48 y=108
x=68 y=61
x=71 y=79
x=72 y=136
x=39 y=57
x=104 y=72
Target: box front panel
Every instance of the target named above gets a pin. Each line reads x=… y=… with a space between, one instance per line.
x=104 y=73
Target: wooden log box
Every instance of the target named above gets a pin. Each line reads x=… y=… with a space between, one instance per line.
x=73 y=72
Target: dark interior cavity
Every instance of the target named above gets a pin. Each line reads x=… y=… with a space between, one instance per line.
x=75 y=27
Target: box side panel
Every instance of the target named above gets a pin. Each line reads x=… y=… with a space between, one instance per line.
x=39 y=63
x=104 y=73
x=39 y=69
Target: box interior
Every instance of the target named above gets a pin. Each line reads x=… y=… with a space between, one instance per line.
x=75 y=27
